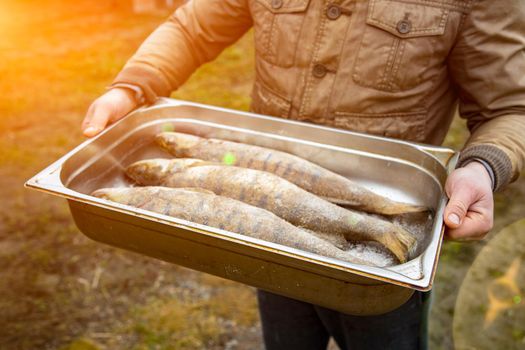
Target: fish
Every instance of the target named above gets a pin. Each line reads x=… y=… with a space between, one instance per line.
x=303 y=173
x=205 y=208
x=275 y=194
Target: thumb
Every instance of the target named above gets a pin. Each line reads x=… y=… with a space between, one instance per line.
x=457 y=207
x=108 y=108
x=97 y=119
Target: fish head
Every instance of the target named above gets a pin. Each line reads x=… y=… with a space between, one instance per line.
x=149 y=172
x=177 y=143
x=112 y=194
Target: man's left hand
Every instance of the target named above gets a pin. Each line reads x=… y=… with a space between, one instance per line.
x=470 y=210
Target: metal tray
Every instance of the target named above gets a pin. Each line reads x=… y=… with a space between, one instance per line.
x=402 y=170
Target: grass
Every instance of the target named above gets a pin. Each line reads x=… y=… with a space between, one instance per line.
x=59 y=57
x=195 y=323
x=61 y=291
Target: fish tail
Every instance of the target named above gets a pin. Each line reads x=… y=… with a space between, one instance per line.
x=396 y=239
x=397 y=243
x=406 y=244
x=395 y=246
x=406 y=238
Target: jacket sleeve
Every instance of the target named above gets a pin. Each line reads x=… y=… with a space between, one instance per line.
x=195 y=34
x=488 y=67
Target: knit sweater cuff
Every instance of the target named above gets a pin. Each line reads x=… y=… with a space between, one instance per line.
x=498 y=160
x=149 y=81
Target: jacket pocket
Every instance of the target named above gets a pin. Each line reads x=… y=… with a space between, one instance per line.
x=266 y=101
x=400 y=45
x=278 y=25
x=408 y=126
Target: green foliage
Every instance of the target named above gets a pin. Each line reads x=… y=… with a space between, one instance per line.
x=450 y=250
x=457 y=135
x=194 y=322
x=81 y=344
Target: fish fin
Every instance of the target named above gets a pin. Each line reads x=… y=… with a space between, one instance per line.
x=394 y=208
x=192 y=162
x=202 y=163
x=342 y=202
x=196 y=189
x=337 y=240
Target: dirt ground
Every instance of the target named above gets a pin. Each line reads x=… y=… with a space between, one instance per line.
x=59 y=290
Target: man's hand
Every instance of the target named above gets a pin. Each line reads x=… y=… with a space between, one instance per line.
x=108 y=108
x=469 y=213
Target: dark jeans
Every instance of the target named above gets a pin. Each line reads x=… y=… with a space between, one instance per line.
x=289 y=324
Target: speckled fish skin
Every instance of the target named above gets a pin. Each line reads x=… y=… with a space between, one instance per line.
x=275 y=194
x=206 y=208
x=305 y=174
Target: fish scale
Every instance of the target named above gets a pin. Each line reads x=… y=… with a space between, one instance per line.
x=244 y=219
x=275 y=194
x=307 y=175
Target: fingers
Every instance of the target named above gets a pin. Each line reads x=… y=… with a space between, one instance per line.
x=475 y=226
x=108 y=108
x=458 y=206
x=469 y=212
x=98 y=116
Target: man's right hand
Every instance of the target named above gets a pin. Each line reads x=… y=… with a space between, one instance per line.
x=107 y=109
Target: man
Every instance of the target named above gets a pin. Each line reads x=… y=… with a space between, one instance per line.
x=393 y=68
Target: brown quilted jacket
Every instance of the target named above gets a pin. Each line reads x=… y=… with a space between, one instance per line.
x=396 y=68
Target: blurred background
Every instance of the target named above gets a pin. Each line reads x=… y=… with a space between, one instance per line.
x=59 y=290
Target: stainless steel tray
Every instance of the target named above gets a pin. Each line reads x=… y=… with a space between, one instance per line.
x=404 y=171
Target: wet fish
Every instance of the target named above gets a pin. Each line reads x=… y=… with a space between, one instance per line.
x=307 y=175
x=204 y=207
x=275 y=194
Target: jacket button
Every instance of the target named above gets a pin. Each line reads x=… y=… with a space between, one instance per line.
x=404 y=26
x=277 y=4
x=319 y=71
x=333 y=12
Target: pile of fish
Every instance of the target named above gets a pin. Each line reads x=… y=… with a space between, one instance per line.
x=266 y=194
